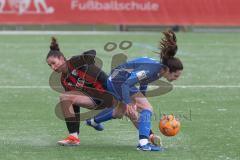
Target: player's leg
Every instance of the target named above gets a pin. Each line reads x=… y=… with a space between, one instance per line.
x=108 y=114
x=70 y=105
x=153 y=138
x=117 y=110
x=144 y=122
x=133 y=115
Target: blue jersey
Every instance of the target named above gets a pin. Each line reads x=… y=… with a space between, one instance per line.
x=123 y=78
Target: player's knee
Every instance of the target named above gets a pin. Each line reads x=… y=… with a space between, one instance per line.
x=149 y=108
x=146 y=108
x=65 y=97
x=62 y=97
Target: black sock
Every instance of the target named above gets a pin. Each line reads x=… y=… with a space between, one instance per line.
x=73 y=123
x=76 y=109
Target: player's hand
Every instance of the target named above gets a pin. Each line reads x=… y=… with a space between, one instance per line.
x=131 y=111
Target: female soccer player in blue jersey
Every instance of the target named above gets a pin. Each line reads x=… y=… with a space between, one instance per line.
x=143 y=71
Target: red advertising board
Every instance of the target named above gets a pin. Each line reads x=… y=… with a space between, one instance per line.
x=127 y=12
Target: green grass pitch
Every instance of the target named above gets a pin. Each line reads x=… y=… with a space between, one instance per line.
x=206 y=98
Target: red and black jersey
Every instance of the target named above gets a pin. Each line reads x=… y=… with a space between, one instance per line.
x=83 y=75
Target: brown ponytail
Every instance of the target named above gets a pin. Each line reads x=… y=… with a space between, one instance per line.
x=168 y=46
x=54 y=45
x=54 y=49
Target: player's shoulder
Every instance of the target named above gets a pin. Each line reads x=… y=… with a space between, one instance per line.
x=87 y=57
x=91 y=54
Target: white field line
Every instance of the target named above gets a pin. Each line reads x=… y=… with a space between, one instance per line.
x=24 y=87
x=176 y=86
x=206 y=86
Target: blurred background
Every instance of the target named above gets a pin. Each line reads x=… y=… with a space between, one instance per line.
x=120 y=15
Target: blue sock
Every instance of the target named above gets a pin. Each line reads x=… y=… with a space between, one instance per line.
x=144 y=124
x=105 y=115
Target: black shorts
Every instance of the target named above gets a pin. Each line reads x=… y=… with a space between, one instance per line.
x=102 y=99
x=105 y=101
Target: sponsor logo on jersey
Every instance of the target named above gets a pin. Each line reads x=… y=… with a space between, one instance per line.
x=74 y=72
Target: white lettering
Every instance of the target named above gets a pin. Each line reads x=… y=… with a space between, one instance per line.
x=114 y=5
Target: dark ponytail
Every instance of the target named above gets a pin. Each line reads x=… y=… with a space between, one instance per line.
x=54 y=49
x=168 y=46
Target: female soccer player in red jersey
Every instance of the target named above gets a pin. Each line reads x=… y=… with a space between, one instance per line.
x=84 y=84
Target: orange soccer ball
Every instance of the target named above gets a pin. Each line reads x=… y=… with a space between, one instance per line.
x=169 y=125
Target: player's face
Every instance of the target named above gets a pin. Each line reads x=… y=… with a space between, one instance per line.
x=172 y=76
x=56 y=63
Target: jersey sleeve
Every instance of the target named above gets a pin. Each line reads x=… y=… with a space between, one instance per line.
x=136 y=76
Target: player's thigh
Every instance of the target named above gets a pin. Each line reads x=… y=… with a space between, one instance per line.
x=120 y=110
x=78 y=98
x=141 y=101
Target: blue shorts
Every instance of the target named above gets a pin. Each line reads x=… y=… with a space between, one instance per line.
x=116 y=90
